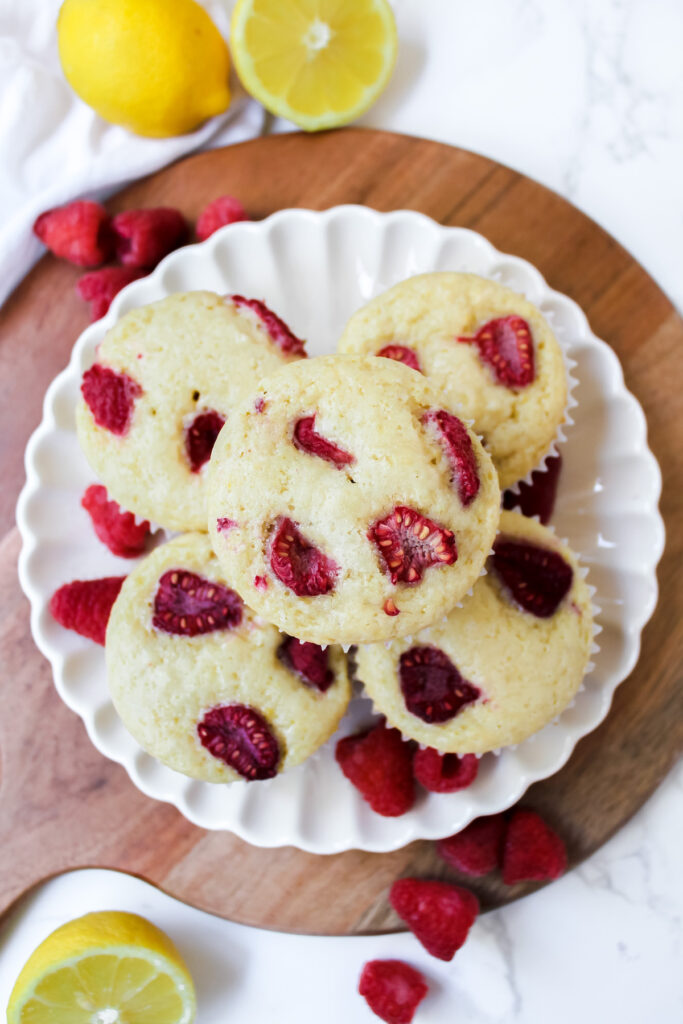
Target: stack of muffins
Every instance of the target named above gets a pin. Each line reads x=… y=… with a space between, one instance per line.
x=347 y=502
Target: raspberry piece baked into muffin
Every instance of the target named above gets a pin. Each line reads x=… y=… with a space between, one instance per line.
x=504 y=664
x=165 y=378
x=488 y=348
x=348 y=504
x=203 y=684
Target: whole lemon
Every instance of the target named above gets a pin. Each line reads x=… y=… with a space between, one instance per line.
x=157 y=67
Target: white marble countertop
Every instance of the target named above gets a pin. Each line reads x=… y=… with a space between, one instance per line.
x=601 y=945
x=586 y=96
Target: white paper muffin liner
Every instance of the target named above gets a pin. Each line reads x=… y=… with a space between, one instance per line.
x=567 y=419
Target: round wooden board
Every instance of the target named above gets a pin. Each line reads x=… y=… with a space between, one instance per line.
x=62 y=805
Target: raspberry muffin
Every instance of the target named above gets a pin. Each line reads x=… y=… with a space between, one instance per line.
x=165 y=378
x=504 y=664
x=491 y=352
x=348 y=504
x=206 y=686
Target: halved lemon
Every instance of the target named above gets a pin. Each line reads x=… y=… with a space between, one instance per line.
x=319 y=63
x=104 y=968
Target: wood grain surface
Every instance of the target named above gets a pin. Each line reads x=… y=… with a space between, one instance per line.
x=62 y=805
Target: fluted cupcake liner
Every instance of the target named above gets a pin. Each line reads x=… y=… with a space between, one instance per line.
x=560 y=438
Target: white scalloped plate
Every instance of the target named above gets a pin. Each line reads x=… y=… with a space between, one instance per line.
x=315 y=269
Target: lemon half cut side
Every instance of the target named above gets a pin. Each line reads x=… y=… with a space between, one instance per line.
x=104 y=968
x=319 y=63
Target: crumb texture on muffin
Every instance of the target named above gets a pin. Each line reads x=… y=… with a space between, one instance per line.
x=181 y=646
x=431 y=322
x=370 y=521
x=492 y=673
x=164 y=382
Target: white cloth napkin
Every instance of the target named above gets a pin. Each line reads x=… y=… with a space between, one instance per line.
x=53 y=148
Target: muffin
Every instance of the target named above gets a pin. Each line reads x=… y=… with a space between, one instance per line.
x=489 y=350
x=206 y=686
x=503 y=665
x=165 y=378
x=347 y=504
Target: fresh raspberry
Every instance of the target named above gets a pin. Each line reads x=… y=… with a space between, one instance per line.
x=110 y=396
x=143 y=237
x=308 y=661
x=114 y=527
x=401 y=354
x=409 y=543
x=278 y=330
x=444 y=773
x=478 y=849
x=219 y=212
x=260 y=582
x=240 y=736
x=85 y=605
x=389 y=607
x=505 y=346
x=298 y=564
x=100 y=286
x=393 y=990
x=532 y=852
x=438 y=914
x=306 y=440
x=200 y=437
x=224 y=524
x=536 y=578
x=431 y=685
x=190 y=605
x=538 y=497
x=379 y=764
x=457 y=445
x=79 y=232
